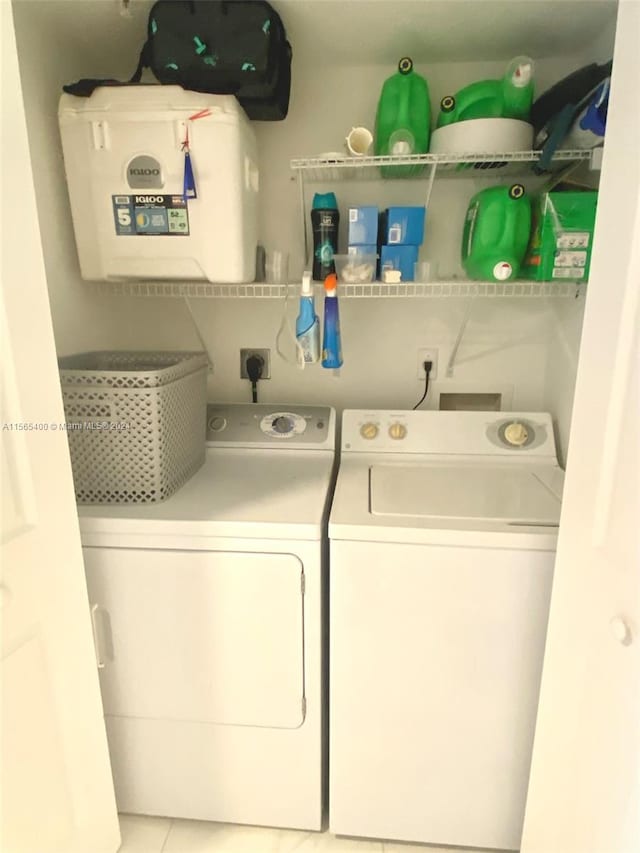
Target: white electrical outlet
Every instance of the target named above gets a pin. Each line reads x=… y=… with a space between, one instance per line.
x=427 y=355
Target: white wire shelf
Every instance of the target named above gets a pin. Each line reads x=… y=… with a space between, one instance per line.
x=374 y=290
x=463 y=165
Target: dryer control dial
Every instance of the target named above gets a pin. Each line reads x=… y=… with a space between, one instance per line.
x=397 y=431
x=282 y=424
x=369 y=431
x=516 y=434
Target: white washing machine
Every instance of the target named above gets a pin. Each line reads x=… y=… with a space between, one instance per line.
x=442 y=543
x=208 y=613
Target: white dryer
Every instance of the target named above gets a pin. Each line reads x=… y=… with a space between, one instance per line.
x=442 y=543
x=207 y=613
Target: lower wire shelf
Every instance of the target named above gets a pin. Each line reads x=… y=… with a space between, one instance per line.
x=374 y=290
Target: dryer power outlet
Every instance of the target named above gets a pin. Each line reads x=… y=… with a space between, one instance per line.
x=265 y=355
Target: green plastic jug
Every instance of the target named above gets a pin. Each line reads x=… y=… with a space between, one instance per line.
x=403 y=119
x=510 y=97
x=496 y=233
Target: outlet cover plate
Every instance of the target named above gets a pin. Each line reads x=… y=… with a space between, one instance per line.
x=247 y=353
x=427 y=355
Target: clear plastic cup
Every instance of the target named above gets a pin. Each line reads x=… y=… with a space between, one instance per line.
x=424 y=271
x=277 y=267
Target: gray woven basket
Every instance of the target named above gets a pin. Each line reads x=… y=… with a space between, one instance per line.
x=135 y=423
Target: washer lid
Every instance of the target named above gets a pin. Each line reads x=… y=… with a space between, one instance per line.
x=497 y=494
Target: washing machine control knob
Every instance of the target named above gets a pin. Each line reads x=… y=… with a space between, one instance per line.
x=516 y=434
x=282 y=424
x=369 y=431
x=397 y=431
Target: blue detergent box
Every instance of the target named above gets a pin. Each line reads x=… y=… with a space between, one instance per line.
x=363 y=226
x=402 y=226
x=401 y=258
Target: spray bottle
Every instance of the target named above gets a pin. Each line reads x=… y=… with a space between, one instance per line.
x=308 y=324
x=331 y=345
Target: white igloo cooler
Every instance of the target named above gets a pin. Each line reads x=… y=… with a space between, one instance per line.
x=124 y=155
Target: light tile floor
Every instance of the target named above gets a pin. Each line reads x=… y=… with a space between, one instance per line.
x=166 y=835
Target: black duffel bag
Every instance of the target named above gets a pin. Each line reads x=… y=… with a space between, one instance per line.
x=231 y=47
x=222 y=47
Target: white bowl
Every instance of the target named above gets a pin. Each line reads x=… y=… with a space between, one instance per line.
x=482 y=136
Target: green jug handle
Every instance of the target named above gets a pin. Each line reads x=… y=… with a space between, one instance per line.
x=405 y=67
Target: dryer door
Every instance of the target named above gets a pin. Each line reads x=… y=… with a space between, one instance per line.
x=204 y=636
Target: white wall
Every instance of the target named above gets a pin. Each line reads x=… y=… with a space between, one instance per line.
x=503 y=351
x=506 y=345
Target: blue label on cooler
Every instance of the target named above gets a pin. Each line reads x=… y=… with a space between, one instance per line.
x=150 y=214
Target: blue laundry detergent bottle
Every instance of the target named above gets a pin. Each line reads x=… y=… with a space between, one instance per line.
x=331 y=345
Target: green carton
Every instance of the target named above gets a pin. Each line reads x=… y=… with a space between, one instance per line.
x=561 y=236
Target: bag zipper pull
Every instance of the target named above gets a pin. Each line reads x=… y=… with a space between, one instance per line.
x=189 y=187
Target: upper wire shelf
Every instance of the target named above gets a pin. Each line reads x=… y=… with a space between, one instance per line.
x=331 y=168
x=259 y=290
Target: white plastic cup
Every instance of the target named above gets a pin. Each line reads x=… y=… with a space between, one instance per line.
x=277 y=267
x=359 y=141
x=424 y=271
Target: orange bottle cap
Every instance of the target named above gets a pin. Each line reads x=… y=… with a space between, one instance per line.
x=331 y=282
